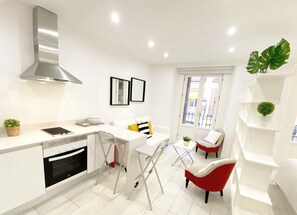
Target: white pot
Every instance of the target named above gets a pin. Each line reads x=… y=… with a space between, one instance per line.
x=265 y=120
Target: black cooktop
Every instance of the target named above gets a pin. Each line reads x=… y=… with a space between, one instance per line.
x=56 y=131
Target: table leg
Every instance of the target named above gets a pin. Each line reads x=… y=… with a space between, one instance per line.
x=180 y=157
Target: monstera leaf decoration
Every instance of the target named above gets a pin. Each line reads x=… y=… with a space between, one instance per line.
x=254 y=64
x=273 y=57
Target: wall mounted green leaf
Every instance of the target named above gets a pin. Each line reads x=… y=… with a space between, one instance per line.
x=273 y=57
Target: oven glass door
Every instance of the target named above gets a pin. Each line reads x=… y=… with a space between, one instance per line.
x=64 y=165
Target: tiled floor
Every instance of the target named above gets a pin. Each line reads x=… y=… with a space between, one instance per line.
x=87 y=198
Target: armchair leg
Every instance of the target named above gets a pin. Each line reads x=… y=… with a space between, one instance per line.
x=187 y=182
x=206 y=196
x=216 y=154
x=206 y=154
x=221 y=192
x=196 y=148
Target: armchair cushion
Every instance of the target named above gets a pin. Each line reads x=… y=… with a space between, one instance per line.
x=133 y=127
x=213 y=137
x=202 y=171
x=144 y=129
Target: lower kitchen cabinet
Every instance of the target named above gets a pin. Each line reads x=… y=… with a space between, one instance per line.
x=21 y=177
x=95 y=153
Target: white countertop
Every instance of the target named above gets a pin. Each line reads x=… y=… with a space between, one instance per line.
x=36 y=136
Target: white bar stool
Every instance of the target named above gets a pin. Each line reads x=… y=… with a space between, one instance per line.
x=108 y=139
x=150 y=152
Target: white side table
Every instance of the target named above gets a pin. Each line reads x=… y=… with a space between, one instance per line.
x=187 y=149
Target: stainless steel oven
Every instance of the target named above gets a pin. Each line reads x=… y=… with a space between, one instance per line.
x=64 y=159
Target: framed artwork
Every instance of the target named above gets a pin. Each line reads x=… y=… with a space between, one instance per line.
x=119 y=91
x=137 y=90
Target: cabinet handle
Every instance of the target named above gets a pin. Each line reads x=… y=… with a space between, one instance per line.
x=65 y=156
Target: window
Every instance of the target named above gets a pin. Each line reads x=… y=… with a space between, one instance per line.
x=200 y=103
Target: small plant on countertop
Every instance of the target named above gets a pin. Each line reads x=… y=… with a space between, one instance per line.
x=265 y=108
x=9 y=123
x=12 y=127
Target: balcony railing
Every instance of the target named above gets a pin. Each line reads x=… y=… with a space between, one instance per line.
x=205 y=120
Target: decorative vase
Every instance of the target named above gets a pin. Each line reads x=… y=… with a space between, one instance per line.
x=13 y=131
x=186 y=143
x=265 y=120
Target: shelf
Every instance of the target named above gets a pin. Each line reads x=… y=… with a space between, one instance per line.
x=249 y=125
x=255 y=102
x=250 y=102
x=260 y=159
x=255 y=194
x=269 y=76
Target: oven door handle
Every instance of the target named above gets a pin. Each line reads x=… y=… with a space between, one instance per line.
x=65 y=156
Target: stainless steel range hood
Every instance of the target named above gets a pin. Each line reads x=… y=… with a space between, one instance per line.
x=46 y=66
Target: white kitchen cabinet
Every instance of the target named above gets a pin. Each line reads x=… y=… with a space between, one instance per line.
x=21 y=177
x=95 y=153
x=255 y=141
x=91 y=153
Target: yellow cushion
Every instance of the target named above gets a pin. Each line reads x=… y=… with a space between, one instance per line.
x=133 y=127
x=150 y=127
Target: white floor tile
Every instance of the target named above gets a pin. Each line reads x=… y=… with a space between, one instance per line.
x=78 y=188
x=50 y=204
x=195 y=209
x=117 y=206
x=92 y=206
x=220 y=209
x=83 y=197
x=29 y=212
x=66 y=208
x=135 y=208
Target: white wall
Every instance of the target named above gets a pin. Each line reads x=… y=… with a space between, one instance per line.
x=88 y=58
x=167 y=98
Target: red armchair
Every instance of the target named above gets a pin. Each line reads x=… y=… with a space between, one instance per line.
x=211 y=178
x=209 y=147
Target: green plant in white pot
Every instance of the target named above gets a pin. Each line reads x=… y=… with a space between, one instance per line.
x=12 y=127
x=265 y=108
x=187 y=140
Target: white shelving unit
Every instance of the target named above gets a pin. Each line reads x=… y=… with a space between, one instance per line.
x=254 y=144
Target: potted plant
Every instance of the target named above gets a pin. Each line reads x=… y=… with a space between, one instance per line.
x=12 y=127
x=273 y=57
x=265 y=108
x=186 y=140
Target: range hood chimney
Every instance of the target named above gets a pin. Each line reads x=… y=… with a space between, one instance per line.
x=46 y=51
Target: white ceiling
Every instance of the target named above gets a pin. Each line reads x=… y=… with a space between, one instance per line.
x=189 y=30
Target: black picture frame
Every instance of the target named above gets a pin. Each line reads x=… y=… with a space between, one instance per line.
x=123 y=87
x=137 y=92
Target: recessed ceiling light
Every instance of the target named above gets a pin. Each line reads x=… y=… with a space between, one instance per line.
x=151 y=43
x=231 y=30
x=166 y=55
x=231 y=49
x=115 y=17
